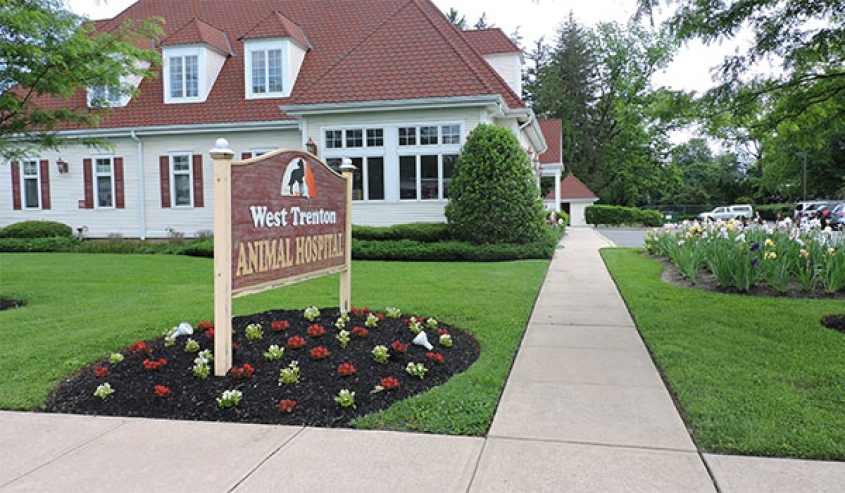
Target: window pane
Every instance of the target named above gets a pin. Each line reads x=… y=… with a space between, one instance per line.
x=31 y=195
x=375 y=137
x=428 y=136
x=180 y=163
x=407 y=177
x=355 y=138
x=104 y=196
x=182 y=187
x=429 y=181
x=176 y=77
x=274 y=70
x=258 y=80
x=375 y=178
x=450 y=134
x=191 y=77
x=407 y=136
x=30 y=168
x=448 y=168
x=103 y=166
x=358 y=180
x=334 y=139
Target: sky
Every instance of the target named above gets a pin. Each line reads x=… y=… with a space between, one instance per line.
x=535 y=18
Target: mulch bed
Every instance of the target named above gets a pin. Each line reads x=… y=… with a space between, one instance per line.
x=193 y=398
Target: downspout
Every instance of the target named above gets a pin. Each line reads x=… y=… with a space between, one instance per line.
x=141 y=192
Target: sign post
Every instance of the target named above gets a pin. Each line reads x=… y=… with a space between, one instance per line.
x=280 y=218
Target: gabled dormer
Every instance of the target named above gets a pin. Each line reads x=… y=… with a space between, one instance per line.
x=193 y=57
x=273 y=54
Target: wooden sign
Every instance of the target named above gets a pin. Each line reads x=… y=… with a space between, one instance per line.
x=280 y=218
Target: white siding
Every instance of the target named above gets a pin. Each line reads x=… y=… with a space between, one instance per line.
x=509 y=66
x=398 y=213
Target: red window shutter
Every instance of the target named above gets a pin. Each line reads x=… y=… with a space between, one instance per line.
x=164 y=171
x=246 y=155
x=16 y=187
x=198 y=190
x=45 y=184
x=88 y=179
x=119 y=201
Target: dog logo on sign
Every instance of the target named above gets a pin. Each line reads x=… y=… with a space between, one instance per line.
x=299 y=180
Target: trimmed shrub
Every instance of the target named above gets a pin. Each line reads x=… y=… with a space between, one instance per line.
x=770 y=212
x=36 y=229
x=54 y=244
x=493 y=194
x=425 y=232
x=613 y=215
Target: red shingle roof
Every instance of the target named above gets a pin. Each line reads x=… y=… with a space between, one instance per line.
x=552 y=129
x=572 y=188
x=199 y=32
x=491 y=41
x=362 y=51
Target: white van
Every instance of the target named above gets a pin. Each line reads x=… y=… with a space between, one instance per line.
x=739 y=211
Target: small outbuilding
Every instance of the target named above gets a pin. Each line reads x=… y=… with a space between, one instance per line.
x=575 y=197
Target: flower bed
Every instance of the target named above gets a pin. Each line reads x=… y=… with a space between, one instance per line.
x=256 y=389
x=785 y=259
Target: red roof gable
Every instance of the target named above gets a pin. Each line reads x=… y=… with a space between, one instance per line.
x=552 y=129
x=199 y=32
x=572 y=188
x=366 y=50
x=491 y=41
x=276 y=25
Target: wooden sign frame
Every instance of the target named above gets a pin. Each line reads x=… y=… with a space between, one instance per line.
x=280 y=218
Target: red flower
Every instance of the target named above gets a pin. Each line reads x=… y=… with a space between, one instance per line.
x=205 y=325
x=244 y=371
x=361 y=312
x=346 y=369
x=162 y=392
x=101 y=371
x=389 y=383
x=435 y=358
x=279 y=325
x=320 y=352
x=209 y=334
x=141 y=347
x=399 y=347
x=359 y=332
x=151 y=365
x=380 y=316
x=316 y=331
x=296 y=342
x=287 y=406
x=442 y=332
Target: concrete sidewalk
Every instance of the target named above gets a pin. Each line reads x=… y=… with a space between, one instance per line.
x=584 y=409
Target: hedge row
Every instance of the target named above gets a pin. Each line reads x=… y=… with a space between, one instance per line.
x=423 y=232
x=451 y=251
x=770 y=212
x=36 y=229
x=613 y=215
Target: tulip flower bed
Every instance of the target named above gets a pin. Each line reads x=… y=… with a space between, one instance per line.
x=289 y=367
x=784 y=261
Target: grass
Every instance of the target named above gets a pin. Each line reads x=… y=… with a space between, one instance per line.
x=82 y=307
x=754 y=376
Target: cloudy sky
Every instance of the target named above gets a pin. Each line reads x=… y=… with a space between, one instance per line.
x=535 y=19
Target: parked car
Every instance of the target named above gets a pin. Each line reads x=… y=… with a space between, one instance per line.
x=806 y=209
x=739 y=211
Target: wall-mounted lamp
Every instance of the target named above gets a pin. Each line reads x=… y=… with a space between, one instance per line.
x=311 y=146
x=62 y=166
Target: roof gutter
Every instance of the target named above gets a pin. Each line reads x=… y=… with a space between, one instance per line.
x=531 y=126
x=182 y=129
x=493 y=101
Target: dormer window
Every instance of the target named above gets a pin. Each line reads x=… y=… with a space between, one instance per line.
x=265 y=63
x=183 y=80
x=106 y=97
x=184 y=76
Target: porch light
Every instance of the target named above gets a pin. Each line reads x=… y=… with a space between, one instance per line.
x=62 y=166
x=311 y=146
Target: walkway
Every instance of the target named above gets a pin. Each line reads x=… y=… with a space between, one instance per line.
x=584 y=410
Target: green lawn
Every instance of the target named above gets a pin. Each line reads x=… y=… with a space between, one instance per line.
x=82 y=307
x=755 y=376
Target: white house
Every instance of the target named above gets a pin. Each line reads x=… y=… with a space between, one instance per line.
x=390 y=84
x=573 y=197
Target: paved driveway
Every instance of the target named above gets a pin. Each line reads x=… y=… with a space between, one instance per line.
x=624 y=237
